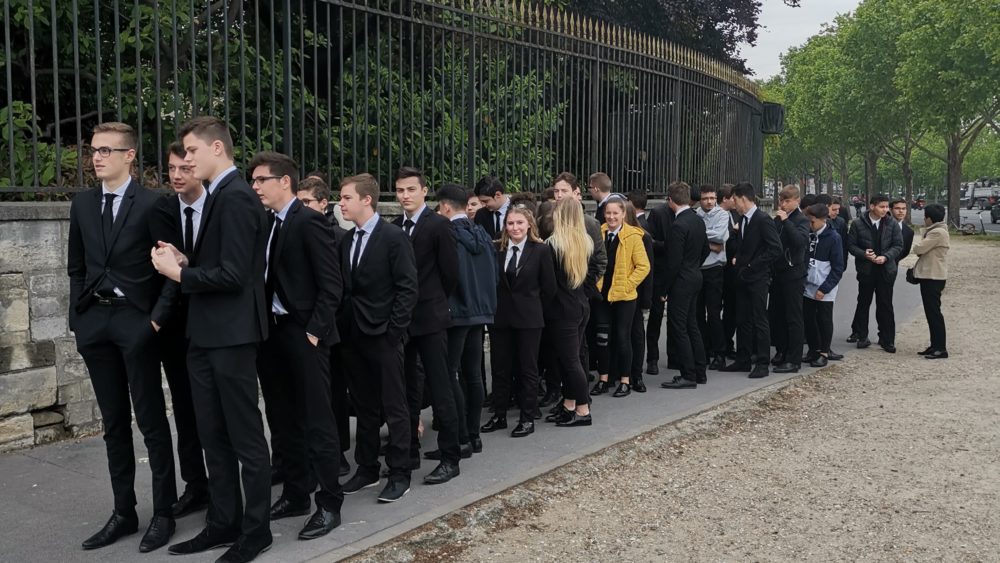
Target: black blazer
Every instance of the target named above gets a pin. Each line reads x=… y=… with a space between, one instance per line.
x=380 y=294
x=660 y=220
x=733 y=242
x=165 y=223
x=124 y=261
x=687 y=248
x=486 y=219
x=306 y=272
x=224 y=281
x=436 y=254
x=758 y=249
x=907 y=242
x=521 y=305
x=794 y=235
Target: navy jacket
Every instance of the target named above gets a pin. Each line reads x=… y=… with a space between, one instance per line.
x=474 y=301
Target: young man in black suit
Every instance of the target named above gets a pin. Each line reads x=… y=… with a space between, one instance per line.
x=176 y=220
x=687 y=248
x=227 y=319
x=113 y=313
x=875 y=240
x=788 y=283
x=303 y=287
x=639 y=200
x=433 y=240
x=730 y=296
x=380 y=292
x=601 y=189
x=493 y=213
x=899 y=209
x=661 y=218
x=758 y=247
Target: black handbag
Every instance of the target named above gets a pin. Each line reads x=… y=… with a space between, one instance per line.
x=911 y=278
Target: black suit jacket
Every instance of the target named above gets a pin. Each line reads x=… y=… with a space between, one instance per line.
x=165 y=222
x=380 y=294
x=436 y=254
x=794 y=235
x=306 y=272
x=123 y=261
x=486 y=219
x=687 y=248
x=758 y=248
x=907 y=242
x=733 y=242
x=521 y=305
x=661 y=218
x=224 y=280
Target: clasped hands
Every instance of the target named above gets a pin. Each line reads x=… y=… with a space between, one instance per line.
x=870 y=255
x=168 y=260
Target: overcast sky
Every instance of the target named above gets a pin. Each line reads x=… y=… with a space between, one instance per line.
x=783 y=27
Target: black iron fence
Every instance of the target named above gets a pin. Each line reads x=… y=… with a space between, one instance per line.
x=460 y=89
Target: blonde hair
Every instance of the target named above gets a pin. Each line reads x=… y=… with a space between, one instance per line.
x=532 y=227
x=570 y=241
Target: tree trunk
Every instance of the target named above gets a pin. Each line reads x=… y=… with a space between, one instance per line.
x=954 y=141
x=844 y=177
x=871 y=174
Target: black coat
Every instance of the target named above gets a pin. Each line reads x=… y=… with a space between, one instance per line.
x=436 y=254
x=661 y=218
x=521 y=305
x=733 y=242
x=487 y=220
x=840 y=225
x=567 y=304
x=758 y=248
x=165 y=223
x=794 y=235
x=306 y=273
x=861 y=237
x=907 y=233
x=224 y=281
x=124 y=262
x=687 y=248
x=380 y=294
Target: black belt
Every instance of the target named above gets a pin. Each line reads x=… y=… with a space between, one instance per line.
x=105 y=300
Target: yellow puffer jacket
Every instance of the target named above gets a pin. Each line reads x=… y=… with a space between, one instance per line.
x=631 y=264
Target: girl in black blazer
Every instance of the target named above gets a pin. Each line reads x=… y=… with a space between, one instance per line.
x=526 y=281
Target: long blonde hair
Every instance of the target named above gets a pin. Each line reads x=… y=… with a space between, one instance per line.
x=570 y=241
x=532 y=227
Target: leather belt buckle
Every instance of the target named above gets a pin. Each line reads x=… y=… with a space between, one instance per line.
x=102 y=300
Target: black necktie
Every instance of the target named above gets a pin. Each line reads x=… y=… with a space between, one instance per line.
x=357 y=249
x=408 y=226
x=188 y=230
x=108 y=216
x=497 y=213
x=609 y=242
x=272 y=248
x=512 y=265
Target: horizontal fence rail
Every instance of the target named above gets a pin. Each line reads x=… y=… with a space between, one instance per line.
x=343 y=86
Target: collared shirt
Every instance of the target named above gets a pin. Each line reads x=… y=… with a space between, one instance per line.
x=503 y=215
x=510 y=252
x=215 y=183
x=875 y=222
x=198 y=206
x=414 y=218
x=746 y=220
x=681 y=209
x=117 y=202
x=368 y=227
x=276 y=307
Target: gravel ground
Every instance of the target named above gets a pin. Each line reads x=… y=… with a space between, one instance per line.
x=881 y=457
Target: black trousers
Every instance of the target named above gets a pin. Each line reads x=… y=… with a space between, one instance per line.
x=818 y=317
x=873 y=285
x=117 y=344
x=295 y=381
x=785 y=310
x=594 y=342
x=565 y=338
x=615 y=356
x=377 y=388
x=638 y=335
x=338 y=397
x=753 y=335
x=515 y=347
x=713 y=332
x=465 y=353
x=173 y=355
x=730 y=307
x=682 y=316
x=930 y=295
x=432 y=349
x=224 y=389
x=653 y=327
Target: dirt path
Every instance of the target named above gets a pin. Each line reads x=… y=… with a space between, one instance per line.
x=882 y=457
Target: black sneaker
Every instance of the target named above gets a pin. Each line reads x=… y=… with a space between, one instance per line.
x=395 y=489
x=359 y=481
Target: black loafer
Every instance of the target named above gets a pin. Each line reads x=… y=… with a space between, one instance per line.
x=891 y=348
x=285 y=508
x=778 y=359
x=925 y=351
x=735 y=367
x=787 y=367
x=717 y=363
x=679 y=383
x=205 y=540
x=834 y=357
x=624 y=390
x=245 y=549
x=819 y=362
x=477 y=445
x=864 y=343
x=443 y=473
x=759 y=372
x=652 y=368
x=562 y=414
x=638 y=385
x=600 y=388
x=190 y=502
x=494 y=424
x=852 y=338
x=157 y=534
x=395 y=489
x=321 y=523
x=523 y=429
x=118 y=526
x=810 y=356
x=575 y=420
x=937 y=355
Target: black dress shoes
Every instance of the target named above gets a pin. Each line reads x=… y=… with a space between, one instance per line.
x=852 y=338
x=157 y=534
x=601 y=387
x=575 y=420
x=737 y=367
x=679 y=383
x=652 y=368
x=321 y=523
x=891 y=348
x=443 y=473
x=560 y=415
x=937 y=355
x=717 y=363
x=787 y=367
x=778 y=359
x=494 y=424
x=810 y=356
x=624 y=390
x=522 y=429
x=819 y=362
x=345 y=466
x=205 y=540
x=834 y=357
x=118 y=526
x=925 y=351
x=246 y=549
x=477 y=445
x=759 y=371
x=395 y=489
x=359 y=481
x=285 y=508
x=638 y=385
x=190 y=502
x=863 y=343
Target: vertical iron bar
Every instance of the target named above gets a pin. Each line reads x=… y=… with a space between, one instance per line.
x=243 y=84
x=10 y=95
x=34 y=100
x=118 y=64
x=225 y=63
x=140 y=111
x=288 y=142
x=194 y=62
x=173 y=63
x=301 y=24
x=210 y=70
x=354 y=93
x=55 y=96
x=158 y=94
x=97 y=61
x=76 y=87
x=378 y=99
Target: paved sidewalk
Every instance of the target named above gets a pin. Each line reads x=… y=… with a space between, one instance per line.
x=57 y=495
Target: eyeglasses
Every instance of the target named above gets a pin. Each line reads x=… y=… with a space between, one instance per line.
x=105 y=151
x=261 y=179
x=307 y=200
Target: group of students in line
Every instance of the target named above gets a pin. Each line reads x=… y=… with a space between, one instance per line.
x=238 y=286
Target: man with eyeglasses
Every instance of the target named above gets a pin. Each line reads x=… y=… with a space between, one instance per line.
x=114 y=314
x=176 y=220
